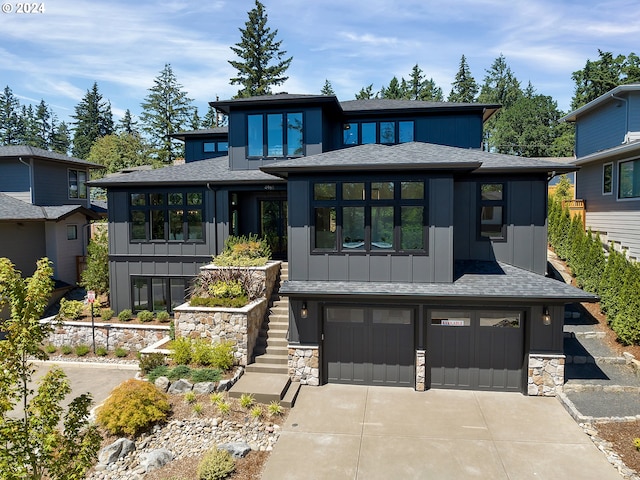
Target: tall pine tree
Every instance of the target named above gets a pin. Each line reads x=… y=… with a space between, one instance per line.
x=262 y=63
x=61 y=140
x=127 y=124
x=214 y=118
x=327 y=88
x=93 y=119
x=166 y=110
x=464 y=87
x=9 y=118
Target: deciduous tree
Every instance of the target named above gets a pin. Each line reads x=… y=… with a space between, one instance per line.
x=118 y=151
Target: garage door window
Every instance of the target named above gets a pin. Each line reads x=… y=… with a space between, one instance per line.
x=451 y=319
x=395 y=315
x=345 y=315
x=500 y=319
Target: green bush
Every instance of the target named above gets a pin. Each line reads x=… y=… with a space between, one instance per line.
x=145 y=316
x=226 y=289
x=106 y=314
x=50 y=348
x=215 y=465
x=636 y=443
x=101 y=351
x=160 y=371
x=223 y=355
x=66 y=349
x=121 y=352
x=125 y=315
x=190 y=397
x=236 y=302
x=202 y=352
x=172 y=330
x=133 y=407
x=163 y=316
x=246 y=400
x=205 y=375
x=82 y=350
x=71 y=309
x=243 y=251
x=181 y=351
x=151 y=361
x=178 y=372
x=275 y=409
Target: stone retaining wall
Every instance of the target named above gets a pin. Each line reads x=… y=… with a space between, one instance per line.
x=111 y=335
x=545 y=374
x=421 y=370
x=303 y=364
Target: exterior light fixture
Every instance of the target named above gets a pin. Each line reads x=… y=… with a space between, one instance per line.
x=546 y=317
x=304 y=312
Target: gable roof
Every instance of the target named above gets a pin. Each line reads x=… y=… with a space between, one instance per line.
x=415 y=156
x=34 y=152
x=13 y=209
x=214 y=171
x=573 y=116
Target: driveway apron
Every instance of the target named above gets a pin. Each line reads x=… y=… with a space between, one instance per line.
x=355 y=432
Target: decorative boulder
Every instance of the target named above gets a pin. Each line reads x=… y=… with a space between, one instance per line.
x=236 y=449
x=156 y=459
x=180 y=386
x=118 y=449
x=204 y=388
x=162 y=384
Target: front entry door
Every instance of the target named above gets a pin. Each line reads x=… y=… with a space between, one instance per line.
x=273 y=226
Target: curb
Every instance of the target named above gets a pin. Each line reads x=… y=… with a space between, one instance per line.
x=114 y=366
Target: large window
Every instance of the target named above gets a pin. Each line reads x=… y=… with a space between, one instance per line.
x=283 y=133
x=77 y=184
x=629 y=179
x=174 y=216
x=607 y=178
x=388 y=132
x=157 y=293
x=213 y=147
x=376 y=216
x=492 y=211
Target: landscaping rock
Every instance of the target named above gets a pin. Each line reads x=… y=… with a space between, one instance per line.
x=204 y=388
x=236 y=449
x=223 y=386
x=156 y=459
x=118 y=449
x=180 y=386
x=162 y=384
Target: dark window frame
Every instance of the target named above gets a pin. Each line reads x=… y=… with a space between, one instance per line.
x=79 y=195
x=166 y=207
x=502 y=203
x=609 y=184
x=147 y=281
x=368 y=203
x=285 y=134
x=357 y=125
x=621 y=181
x=73 y=229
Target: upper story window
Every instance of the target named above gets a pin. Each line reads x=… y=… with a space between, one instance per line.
x=77 y=184
x=629 y=179
x=213 y=147
x=492 y=211
x=607 y=179
x=283 y=133
x=387 y=132
x=376 y=216
x=175 y=216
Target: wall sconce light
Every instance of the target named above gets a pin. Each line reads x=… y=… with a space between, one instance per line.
x=304 y=312
x=546 y=317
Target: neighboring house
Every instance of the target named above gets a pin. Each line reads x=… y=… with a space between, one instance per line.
x=45 y=209
x=415 y=258
x=607 y=149
x=204 y=143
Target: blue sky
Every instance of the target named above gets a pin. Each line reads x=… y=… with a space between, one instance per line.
x=123 y=45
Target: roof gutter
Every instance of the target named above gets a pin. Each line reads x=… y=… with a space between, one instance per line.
x=30 y=167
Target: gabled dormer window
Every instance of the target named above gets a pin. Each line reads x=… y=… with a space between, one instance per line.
x=275 y=135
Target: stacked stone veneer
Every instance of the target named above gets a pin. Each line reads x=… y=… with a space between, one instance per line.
x=241 y=326
x=117 y=335
x=421 y=370
x=545 y=374
x=303 y=364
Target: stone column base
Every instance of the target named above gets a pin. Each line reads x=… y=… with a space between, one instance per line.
x=303 y=364
x=545 y=374
x=420 y=370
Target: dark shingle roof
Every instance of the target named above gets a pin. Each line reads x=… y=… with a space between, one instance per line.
x=415 y=156
x=214 y=171
x=287 y=98
x=26 y=151
x=202 y=132
x=385 y=104
x=474 y=280
x=13 y=209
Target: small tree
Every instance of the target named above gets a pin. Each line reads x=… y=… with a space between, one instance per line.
x=96 y=275
x=32 y=447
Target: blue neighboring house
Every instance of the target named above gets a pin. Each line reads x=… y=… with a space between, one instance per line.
x=414 y=258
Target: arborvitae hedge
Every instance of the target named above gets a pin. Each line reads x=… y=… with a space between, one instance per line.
x=614 y=278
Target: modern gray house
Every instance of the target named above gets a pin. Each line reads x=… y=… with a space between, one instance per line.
x=607 y=151
x=415 y=259
x=45 y=209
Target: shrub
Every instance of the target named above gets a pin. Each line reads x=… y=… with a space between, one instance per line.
x=163 y=316
x=121 y=352
x=106 y=314
x=151 y=361
x=206 y=375
x=101 y=351
x=71 y=309
x=125 y=315
x=172 y=330
x=243 y=251
x=50 y=348
x=181 y=371
x=66 y=349
x=161 y=371
x=82 y=350
x=223 y=355
x=236 y=302
x=202 y=352
x=197 y=409
x=275 y=409
x=256 y=412
x=133 y=407
x=190 y=397
x=181 y=351
x=216 y=398
x=207 y=283
x=145 y=316
x=216 y=464
x=636 y=443
x=246 y=400
x=227 y=289
x=224 y=407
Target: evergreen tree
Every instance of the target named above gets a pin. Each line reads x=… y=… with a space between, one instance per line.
x=262 y=63
x=61 y=140
x=9 y=117
x=464 y=88
x=327 y=88
x=127 y=124
x=214 y=118
x=93 y=119
x=166 y=110
x=28 y=127
x=419 y=88
x=195 y=122
x=44 y=122
x=500 y=84
x=393 y=91
x=366 y=93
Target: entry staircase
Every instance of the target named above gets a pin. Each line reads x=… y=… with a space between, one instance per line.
x=267 y=378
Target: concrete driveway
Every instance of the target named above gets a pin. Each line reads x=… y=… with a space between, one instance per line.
x=353 y=432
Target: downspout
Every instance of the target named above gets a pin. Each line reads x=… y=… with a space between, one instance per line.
x=29 y=166
x=626 y=113
x=215 y=216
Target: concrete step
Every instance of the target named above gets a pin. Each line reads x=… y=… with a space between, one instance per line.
x=265 y=387
x=279 y=317
x=272 y=342
x=276 y=350
x=267 y=368
x=279 y=310
x=291 y=396
x=273 y=359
